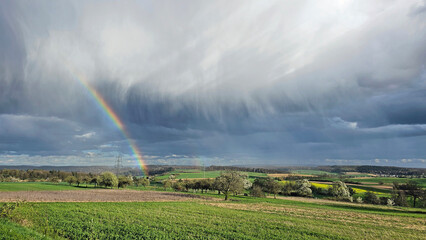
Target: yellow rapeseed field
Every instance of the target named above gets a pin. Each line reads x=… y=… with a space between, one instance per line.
x=323 y=185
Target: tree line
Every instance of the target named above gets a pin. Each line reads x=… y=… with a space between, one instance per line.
x=12 y=175
x=379 y=170
x=108 y=180
x=105 y=179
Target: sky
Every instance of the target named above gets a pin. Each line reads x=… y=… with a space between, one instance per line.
x=278 y=83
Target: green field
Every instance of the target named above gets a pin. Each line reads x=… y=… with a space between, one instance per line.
x=390 y=180
x=243 y=218
x=312 y=172
x=357 y=175
x=196 y=173
x=37 y=186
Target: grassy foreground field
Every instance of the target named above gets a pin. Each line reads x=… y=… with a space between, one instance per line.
x=243 y=218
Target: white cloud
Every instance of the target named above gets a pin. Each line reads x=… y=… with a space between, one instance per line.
x=86 y=135
x=337 y=122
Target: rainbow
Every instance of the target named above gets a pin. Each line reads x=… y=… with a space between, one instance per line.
x=115 y=119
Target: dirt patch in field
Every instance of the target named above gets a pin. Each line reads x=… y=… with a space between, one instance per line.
x=99 y=195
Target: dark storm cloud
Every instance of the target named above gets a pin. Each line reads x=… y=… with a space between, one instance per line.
x=274 y=82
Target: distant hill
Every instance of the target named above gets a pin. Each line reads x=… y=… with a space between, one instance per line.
x=159 y=169
x=379 y=170
x=93 y=169
x=134 y=171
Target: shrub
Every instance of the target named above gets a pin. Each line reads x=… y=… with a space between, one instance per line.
x=167 y=184
x=370 y=197
x=287 y=188
x=71 y=179
x=390 y=202
x=383 y=200
x=124 y=181
x=178 y=186
x=143 y=181
x=7 y=208
x=399 y=198
x=256 y=191
x=108 y=179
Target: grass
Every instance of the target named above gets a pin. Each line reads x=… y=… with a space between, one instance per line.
x=37 y=186
x=10 y=230
x=195 y=173
x=243 y=218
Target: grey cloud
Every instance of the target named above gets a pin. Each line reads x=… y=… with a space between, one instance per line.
x=272 y=81
x=399 y=130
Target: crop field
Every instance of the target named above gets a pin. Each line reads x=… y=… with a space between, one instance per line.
x=37 y=186
x=357 y=189
x=195 y=173
x=243 y=218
